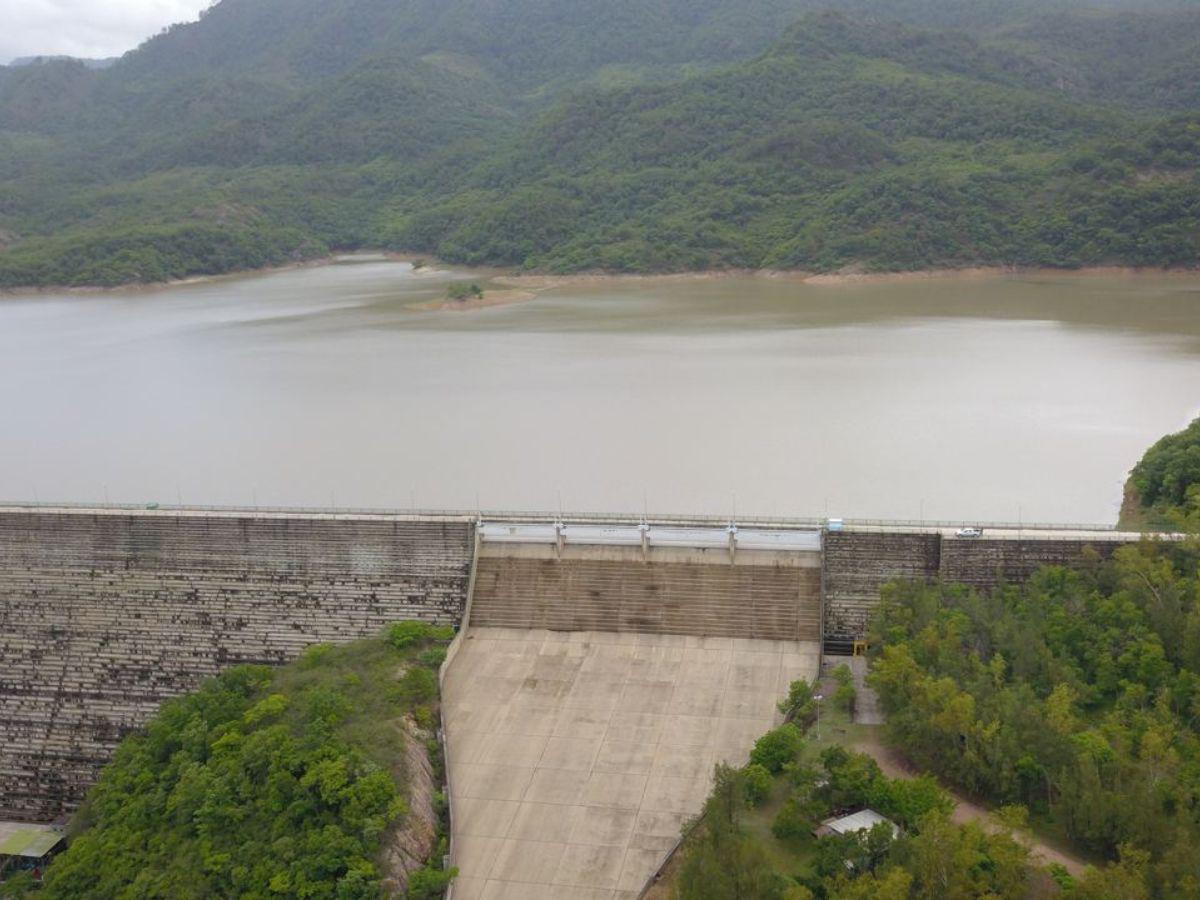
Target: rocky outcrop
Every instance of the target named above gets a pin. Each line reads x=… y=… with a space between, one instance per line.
x=409 y=846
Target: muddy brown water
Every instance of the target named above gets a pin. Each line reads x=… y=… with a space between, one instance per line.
x=999 y=398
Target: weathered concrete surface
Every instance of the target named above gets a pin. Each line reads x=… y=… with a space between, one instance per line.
x=576 y=757
x=866 y=700
x=104 y=614
x=763 y=594
x=859 y=562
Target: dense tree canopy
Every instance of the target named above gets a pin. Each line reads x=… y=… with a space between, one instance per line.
x=729 y=855
x=265 y=782
x=1077 y=696
x=1164 y=487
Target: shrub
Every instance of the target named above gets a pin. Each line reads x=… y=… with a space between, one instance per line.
x=408 y=633
x=908 y=800
x=845 y=696
x=798 y=704
x=777 y=748
x=416 y=686
x=428 y=883
x=425 y=718
x=757 y=784
x=464 y=291
x=315 y=655
x=794 y=819
x=432 y=657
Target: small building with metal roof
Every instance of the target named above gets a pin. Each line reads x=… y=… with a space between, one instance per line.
x=863 y=820
x=26 y=847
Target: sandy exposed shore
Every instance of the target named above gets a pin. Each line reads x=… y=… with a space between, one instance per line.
x=547 y=282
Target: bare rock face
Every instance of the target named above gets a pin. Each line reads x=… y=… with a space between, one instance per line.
x=408 y=847
x=1133 y=513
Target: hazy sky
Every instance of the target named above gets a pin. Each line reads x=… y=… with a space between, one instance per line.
x=86 y=27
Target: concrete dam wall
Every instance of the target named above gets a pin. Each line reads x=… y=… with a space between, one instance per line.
x=106 y=614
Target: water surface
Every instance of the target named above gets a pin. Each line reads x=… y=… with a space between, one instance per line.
x=1005 y=398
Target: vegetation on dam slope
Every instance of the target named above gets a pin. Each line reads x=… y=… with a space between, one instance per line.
x=299 y=781
x=755 y=840
x=600 y=134
x=1076 y=696
x=1072 y=704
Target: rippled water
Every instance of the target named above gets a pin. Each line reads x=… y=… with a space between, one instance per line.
x=983 y=399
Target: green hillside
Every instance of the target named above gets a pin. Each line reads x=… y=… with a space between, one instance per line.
x=1163 y=490
x=845 y=143
x=564 y=134
x=292 y=781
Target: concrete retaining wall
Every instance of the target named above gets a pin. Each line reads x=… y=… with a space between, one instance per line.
x=106 y=614
x=986 y=563
x=858 y=564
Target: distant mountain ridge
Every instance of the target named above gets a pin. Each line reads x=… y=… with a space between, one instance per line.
x=569 y=134
x=90 y=63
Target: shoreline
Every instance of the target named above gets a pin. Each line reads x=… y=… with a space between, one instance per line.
x=800 y=276
x=543 y=281
x=316 y=262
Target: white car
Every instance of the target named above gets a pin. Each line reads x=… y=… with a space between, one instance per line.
x=969 y=533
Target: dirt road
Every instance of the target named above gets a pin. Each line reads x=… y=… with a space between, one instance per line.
x=895 y=766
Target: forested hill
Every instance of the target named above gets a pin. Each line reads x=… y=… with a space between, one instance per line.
x=565 y=134
x=1163 y=490
x=844 y=143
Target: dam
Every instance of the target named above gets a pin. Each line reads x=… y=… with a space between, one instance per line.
x=602 y=664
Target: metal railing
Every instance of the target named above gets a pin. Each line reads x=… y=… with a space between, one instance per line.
x=534 y=516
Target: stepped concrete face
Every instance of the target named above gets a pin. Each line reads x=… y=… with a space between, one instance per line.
x=984 y=564
x=699 y=592
x=575 y=757
x=857 y=564
x=106 y=614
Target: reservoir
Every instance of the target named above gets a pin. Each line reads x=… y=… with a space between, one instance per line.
x=1013 y=398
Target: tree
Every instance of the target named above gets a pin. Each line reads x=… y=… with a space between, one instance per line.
x=798 y=704
x=777 y=748
x=758 y=783
x=1125 y=879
